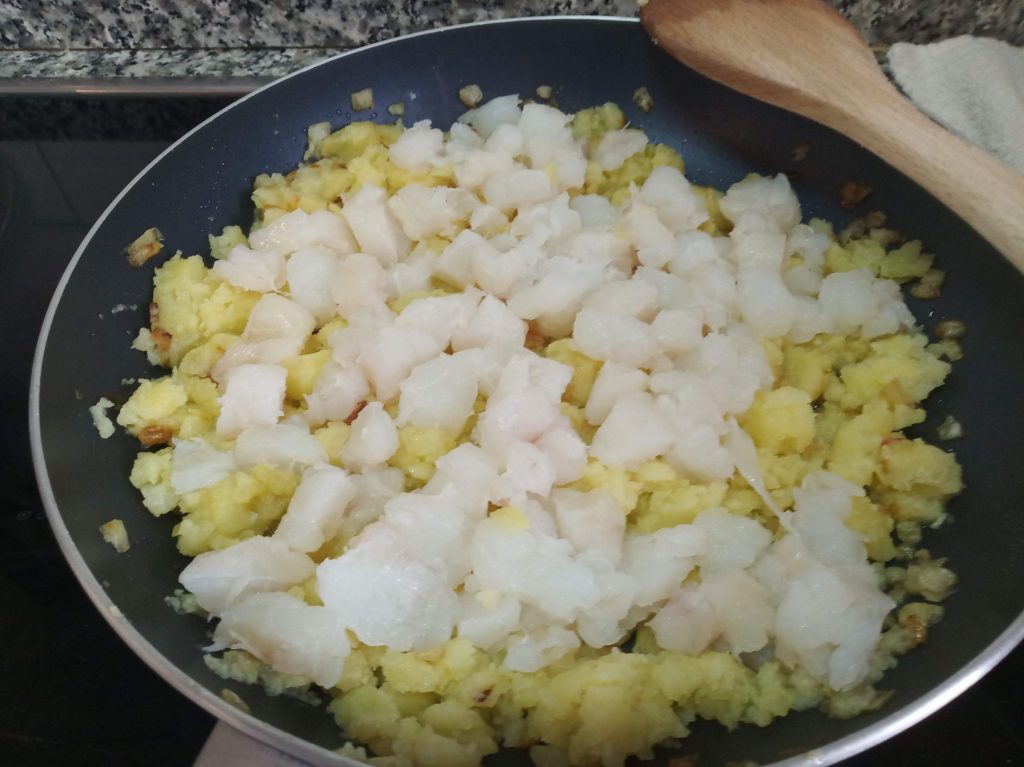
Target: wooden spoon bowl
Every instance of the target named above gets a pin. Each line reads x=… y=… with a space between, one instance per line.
x=803 y=56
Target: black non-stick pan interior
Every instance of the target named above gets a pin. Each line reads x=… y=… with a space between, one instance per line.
x=203 y=184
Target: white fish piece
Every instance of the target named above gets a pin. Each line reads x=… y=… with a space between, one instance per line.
x=537 y=649
x=608 y=622
x=766 y=305
x=633 y=433
x=612 y=337
x=614 y=147
x=310 y=271
x=771 y=198
x=493 y=323
x=515 y=188
x=336 y=393
x=434 y=531
x=373 y=440
x=540 y=521
x=503 y=272
x=413 y=274
x=441 y=316
x=601 y=248
x=734 y=366
x=596 y=211
x=254 y=396
x=487 y=117
x=479 y=165
x=374 y=488
x=487 y=617
x=196 y=464
x=693 y=249
x=488 y=363
x=810 y=245
x=691 y=394
x=550 y=223
x=698 y=454
x=317 y=509
x=439 y=392
x=826 y=623
x=258 y=270
x=525 y=369
x=733 y=542
x=220 y=578
x=577 y=278
x=360 y=282
x=697 y=451
x=553 y=301
x=822 y=502
x=637 y=298
x=426 y=211
x=614 y=381
x=677 y=330
x=462 y=139
x=565 y=452
x=713 y=290
x=289 y=635
x=275 y=332
x=759 y=250
x=564 y=155
x=742 y=609
x=524 y=564
x=655 y=243
x=679 y=207
x=363 y=325
x=659 y=561
x=506 y=139
x=857 y=303
x=810 y=319
x=280 y=444
x=276 y=316
x=542 y=121
x=270 y=351
x=386 y=596
x=298 y=229
x=527 y=470
x=673 y=292
x=591 y=522
x=375 y=227
x=487 y=220
x=418 y=148
x=687 y=623
x=454 y=265
x=390 y=354
x=521 y=415
x=470 y=473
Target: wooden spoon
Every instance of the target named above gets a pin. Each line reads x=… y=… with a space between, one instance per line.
x=803 y=56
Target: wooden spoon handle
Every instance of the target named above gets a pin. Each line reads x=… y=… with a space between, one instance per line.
x=983 y=191
x=802 y=55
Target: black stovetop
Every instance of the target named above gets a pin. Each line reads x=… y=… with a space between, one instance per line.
x=70 y=692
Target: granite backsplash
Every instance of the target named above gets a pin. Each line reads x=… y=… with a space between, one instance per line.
x=223 y=38
x=148 y=24
x=53 y=52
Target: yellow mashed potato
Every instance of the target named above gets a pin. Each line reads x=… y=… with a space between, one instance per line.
x=837 y=403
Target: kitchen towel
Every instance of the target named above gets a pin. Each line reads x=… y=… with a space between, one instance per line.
x=972 y=85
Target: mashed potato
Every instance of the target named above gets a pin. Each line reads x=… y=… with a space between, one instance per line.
x=536 y=445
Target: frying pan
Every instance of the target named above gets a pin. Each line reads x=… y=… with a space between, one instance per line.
x=202 y=183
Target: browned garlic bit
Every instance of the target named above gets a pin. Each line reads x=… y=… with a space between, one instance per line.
x=853 y=193
x=145 y=246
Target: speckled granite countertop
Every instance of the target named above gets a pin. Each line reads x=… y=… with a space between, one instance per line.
x=237 y=40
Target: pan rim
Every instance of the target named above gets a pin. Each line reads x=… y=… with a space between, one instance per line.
x=274 y=737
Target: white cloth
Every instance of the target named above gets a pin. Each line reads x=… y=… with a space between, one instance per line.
x=972 y=85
